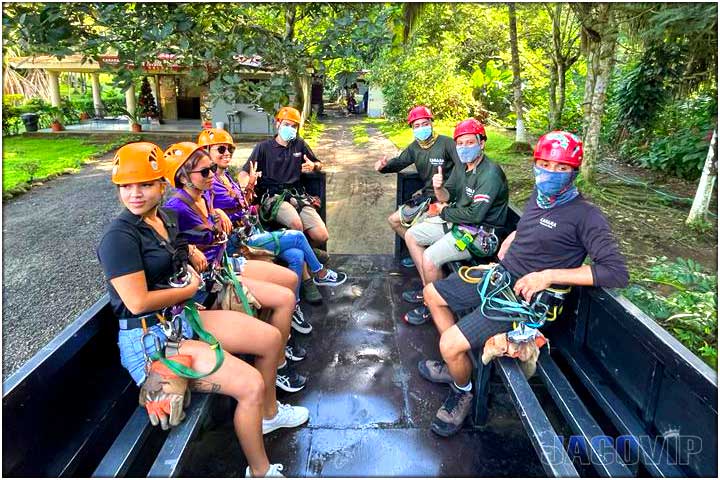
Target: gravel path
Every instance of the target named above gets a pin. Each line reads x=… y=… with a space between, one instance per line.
x=50 y=270
x=359 y=199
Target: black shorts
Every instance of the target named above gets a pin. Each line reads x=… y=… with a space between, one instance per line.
x=463 y=298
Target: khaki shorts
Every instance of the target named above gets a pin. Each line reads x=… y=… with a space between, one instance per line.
x=309 y=217
x=441 y=246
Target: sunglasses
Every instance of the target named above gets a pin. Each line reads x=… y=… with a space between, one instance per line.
x=205 y=172
x=222 y=149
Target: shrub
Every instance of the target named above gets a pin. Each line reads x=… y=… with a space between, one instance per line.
x=689 y=311
x=429 y=78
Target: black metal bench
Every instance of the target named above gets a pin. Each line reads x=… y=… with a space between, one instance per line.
x=619 y=407
x=100 y=430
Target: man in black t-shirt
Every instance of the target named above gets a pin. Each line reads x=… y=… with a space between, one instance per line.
x=557 y=230
x=279 y=163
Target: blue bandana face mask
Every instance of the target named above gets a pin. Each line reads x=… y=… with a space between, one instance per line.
x=422 y=133
x=552 y=183
x=554 y=188
x=468 y=154
x=287 y=132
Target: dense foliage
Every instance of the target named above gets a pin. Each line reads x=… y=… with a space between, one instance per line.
x=689 y=309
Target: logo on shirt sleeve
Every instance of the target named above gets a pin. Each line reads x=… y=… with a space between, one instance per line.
x=476 y=197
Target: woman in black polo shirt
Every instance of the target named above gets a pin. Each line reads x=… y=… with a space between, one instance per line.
x=138 y=256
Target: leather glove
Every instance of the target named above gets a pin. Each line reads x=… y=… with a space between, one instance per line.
x=164 y=394
x=526 y=352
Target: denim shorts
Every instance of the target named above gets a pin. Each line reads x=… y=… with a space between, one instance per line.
x=132 y=349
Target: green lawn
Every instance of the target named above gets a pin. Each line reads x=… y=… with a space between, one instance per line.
x=360 y=135
x=40 y=158
x=312 y=132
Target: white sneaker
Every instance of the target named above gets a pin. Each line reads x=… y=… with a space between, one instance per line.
x=286 y=417
x=273 y=471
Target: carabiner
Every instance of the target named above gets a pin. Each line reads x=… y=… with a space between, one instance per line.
x=156 y=343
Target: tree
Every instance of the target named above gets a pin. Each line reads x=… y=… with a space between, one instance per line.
x=209 y=40
x=520 y=135
x=146 y=102
x=599 y=38
x=564 y=53
x=701 y=203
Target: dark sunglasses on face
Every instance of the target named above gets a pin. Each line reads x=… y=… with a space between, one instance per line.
x=222 y=149
x=205 y=172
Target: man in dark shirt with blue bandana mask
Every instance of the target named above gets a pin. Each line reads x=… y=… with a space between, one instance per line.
x=557 y=230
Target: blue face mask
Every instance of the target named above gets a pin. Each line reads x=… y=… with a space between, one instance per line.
x=550 y=183
x=422 y=133
x=468 y=154
x=287 y=132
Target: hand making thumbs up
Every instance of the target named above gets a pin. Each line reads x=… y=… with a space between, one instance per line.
x=380 y=164
x=437 y=179
x=308 y=165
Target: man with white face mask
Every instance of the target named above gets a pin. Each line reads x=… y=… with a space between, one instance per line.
x=466 y=221
x=279 y=163
x=428 y=151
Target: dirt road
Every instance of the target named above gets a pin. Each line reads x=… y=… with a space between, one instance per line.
x=359 y=199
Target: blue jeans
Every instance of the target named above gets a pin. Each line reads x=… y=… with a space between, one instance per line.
x=294 y=249
x=133 y=347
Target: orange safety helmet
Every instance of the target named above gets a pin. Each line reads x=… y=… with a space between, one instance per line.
x=138 y=162
x=288 y=113
x=175 y=157
x=214 y=136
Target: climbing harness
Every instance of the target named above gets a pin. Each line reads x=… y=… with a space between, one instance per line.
x=270 y=203
x=172 y=329
x=411 y=211
x=479 y=241
x=499 y=303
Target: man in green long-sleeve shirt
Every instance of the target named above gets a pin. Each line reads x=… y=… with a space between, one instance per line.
x=473 y=204
x=428 y=152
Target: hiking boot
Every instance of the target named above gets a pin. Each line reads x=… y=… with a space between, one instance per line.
x=449 y=419
x=322 y=255
x=413 y=296
x=287 y=416
x=310 y=292
x=273 y=471
x=299 y=323
x=418 y=316
x=289 y=380
x=435 y=371
x=331 y=278
x=407 y=262
x=294 y=352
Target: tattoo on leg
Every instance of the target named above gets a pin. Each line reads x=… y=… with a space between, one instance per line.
x=204 y=386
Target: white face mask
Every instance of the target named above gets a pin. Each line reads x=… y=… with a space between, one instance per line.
x=287 y=133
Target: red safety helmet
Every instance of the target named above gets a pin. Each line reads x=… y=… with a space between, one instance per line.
x=416 y=113
x=471 y=127
x=560 y=147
